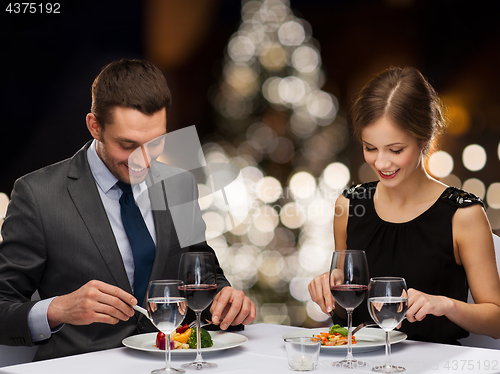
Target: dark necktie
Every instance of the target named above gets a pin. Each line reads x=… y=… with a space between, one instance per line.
x=143 y=246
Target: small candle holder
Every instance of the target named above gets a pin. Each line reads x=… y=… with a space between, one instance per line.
x=303 y=353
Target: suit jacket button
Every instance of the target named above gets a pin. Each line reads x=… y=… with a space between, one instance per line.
x=140 y=325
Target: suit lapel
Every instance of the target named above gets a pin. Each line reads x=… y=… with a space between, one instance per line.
x=83 y=191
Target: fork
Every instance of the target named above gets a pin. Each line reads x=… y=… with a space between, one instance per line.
x=368 y=324
x=362 y=325
x=202 y=324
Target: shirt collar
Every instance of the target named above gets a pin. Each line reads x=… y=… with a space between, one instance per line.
x=103 y=177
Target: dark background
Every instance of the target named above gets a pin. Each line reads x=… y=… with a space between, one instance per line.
x=50 y=61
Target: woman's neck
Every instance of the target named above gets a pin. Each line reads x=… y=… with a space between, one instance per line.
x=418 y=186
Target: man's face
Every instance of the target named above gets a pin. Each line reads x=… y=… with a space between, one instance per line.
x=131 y=129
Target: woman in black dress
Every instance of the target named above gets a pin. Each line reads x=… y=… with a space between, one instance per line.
x=410 y=225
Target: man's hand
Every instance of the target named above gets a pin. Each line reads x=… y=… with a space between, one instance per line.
x=95 y=301
x=231 y=307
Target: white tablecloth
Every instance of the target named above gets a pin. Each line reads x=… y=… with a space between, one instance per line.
x=265 y=353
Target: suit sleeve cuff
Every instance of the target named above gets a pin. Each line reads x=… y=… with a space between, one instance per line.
x=38 y=323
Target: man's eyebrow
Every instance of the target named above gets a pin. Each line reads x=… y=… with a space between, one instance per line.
x=125 y=140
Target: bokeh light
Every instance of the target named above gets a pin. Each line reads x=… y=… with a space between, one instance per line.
x=320 y=212
x=270 y=90
x=265 y=219
x=273 y=57
x=314 y=311
x=474 y=157
x=475 y=186
x=292 y=89
x=258 y=237
x=322 y=105
x=337 y=175
x=440 y=164
x=242 y=79
x=302 y=185
x=298 y=288
x=215 y=224
x=292 y=216
x=493 y=195
x=291 y=33
x=305 y=59
x=313 y=256
x=241 y=48
x=269 y=189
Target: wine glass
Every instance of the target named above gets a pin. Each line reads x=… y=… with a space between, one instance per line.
x=349 y=283
x=198 y=271
x=387 y=304
x=167 y=308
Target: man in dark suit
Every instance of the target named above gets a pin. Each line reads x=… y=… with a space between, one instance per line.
x=63 y=234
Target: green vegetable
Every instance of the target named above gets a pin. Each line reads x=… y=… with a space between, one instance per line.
x=338 y=329
x=206 y=339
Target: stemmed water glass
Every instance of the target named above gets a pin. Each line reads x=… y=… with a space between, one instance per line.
x=198 y=271
x=387 y=304
x=167 y=308
x=349 y=283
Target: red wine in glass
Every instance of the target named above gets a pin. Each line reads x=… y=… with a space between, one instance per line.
x=199 y=296
x=348 y=296
x=199 y=273
x=349 y=285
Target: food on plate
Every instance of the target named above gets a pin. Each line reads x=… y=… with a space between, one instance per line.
x=183 y=338
x=206 y=339
x=337 y=335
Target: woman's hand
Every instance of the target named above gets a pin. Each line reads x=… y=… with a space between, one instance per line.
x=319 y=289
x=421 y=304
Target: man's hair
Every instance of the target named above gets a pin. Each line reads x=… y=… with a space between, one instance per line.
x=136 y=84
x=404 y=96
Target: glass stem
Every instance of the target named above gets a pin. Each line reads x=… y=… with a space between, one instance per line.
x=198 y=359
x=349 y=335
x=387 y=350
x=167 y=351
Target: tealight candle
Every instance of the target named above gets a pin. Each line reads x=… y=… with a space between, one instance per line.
x=302 y=353
x=304 y=362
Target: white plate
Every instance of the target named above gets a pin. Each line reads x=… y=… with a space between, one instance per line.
x=368 y=339
x=222 y=340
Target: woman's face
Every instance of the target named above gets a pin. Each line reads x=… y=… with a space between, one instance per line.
x=393 y=154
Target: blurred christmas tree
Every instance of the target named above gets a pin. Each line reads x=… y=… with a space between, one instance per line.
x=283 y=132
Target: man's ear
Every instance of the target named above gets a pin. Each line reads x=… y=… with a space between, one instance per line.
x=94 y=127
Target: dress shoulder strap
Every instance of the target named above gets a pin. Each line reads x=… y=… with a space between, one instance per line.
x=360 y=191
x=459 y=198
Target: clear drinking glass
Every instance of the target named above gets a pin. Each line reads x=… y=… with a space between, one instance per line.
x=302 y=353
x=349 y=284
x=198 y=271
x=167 y=308
x=387 y=304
